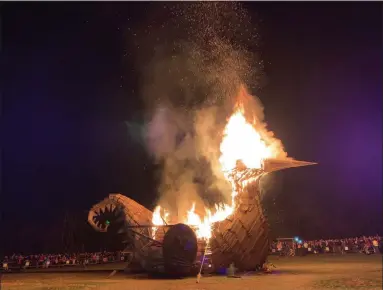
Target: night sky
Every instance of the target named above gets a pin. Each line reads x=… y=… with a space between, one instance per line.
x=72 y=84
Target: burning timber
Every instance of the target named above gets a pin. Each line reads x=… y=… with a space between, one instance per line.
x=242 y=238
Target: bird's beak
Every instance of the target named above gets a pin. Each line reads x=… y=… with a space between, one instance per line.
x=271 y=164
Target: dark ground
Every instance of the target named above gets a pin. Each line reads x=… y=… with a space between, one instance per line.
x=298 y=273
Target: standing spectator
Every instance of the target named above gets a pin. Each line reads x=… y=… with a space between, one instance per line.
x=343 y=247
x=279 y=247
x=305 y=248
x=375 y=244
x=47 y=263
x=26 y=264
x=5 y=264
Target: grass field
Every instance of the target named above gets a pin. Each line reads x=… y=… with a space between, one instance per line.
x=310 y=272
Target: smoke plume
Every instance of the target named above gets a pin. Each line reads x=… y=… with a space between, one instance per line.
x=194 y=77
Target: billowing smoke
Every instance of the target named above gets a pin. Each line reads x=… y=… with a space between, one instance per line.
x=190 y=85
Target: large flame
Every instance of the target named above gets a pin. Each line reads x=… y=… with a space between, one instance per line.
x=241 y=142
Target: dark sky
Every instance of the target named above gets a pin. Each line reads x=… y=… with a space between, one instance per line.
x=71 y=83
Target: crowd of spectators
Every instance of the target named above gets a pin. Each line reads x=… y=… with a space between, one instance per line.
x=282 y=247
x=19 y=261
x=291 y=247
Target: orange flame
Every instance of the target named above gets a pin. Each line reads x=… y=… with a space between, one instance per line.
x=241 y=142
x=158 y=219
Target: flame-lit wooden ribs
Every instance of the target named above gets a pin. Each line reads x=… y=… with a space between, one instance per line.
x=242 y=238
x=174 y=248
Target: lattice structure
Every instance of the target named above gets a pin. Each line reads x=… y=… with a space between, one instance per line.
x=242 y=238
x=134 y=214
x=162 y=254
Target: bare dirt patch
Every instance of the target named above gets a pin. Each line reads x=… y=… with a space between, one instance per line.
x=298 y=273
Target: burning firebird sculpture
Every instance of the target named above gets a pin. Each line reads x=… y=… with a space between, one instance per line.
x=241 y=238
x=233 y=234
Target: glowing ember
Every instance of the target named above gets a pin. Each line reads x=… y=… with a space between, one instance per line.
x=241 y=142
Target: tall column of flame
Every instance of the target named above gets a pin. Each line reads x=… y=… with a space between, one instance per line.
x=241 y=142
